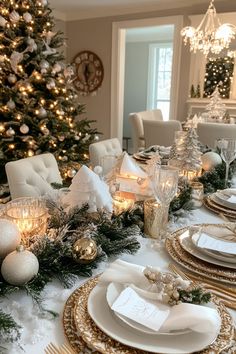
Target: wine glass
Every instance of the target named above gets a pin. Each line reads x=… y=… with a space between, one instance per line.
x=228 y=154
x=164 y=183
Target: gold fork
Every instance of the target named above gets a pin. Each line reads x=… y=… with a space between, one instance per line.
x=227 y=298
x=63 y=349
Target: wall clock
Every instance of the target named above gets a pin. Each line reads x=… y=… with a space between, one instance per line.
x=89 y=72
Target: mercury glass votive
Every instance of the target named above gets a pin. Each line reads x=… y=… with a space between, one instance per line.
x=197 y=194
x=30 y=215
x=153 y=218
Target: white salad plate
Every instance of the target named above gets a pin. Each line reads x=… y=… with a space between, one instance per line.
x=101 y=314
x=187 y=243
x=222 y=198
x=113 y=291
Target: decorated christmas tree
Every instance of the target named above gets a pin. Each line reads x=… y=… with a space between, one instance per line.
x=216 y=108
x=39 y=109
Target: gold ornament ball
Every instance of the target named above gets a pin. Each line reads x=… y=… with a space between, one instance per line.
x=84 y=250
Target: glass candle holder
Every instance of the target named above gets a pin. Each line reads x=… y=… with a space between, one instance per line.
x=30 y=215
x=122 y=201
x=197 y=194
x=153 y=218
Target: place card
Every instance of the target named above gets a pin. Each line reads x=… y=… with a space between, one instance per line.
x=206 y=241
x=148 y=313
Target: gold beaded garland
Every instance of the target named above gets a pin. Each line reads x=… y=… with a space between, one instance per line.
x=84 y=250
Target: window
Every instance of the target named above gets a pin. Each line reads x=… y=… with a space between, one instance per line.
x=159 y=77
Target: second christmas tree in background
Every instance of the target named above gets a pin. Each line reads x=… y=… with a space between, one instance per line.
x=39 y=109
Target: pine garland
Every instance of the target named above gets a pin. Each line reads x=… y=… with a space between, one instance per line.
x=9 y=329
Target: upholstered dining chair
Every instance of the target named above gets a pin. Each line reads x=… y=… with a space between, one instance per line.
x=136 y=122
x=104 y=148
x=32 y=176
x=208 y=133
x=160 y=133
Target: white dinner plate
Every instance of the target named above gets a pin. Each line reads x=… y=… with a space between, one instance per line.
x=221 y=256
x=113 y=291
x=101 y=314
x=221 y=198
x=187 y=244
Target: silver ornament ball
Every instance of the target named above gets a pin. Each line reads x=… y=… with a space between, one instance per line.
x=71 y=173
x=11 y=104
x=10 y=132
x=24 y=129
x=12 y=78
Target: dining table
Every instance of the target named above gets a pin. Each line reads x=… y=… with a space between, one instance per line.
x=38 y=328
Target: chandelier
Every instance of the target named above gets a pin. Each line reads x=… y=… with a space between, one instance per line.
x=210 y=35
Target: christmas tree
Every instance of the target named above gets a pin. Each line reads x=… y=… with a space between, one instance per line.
x=39 y=106
x=216 y=108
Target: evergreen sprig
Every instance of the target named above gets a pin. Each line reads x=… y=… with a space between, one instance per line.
x=9 y=329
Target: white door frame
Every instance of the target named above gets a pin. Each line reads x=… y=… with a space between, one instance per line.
x=118 y=67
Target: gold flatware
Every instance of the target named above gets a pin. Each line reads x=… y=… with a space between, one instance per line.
x=63 y=349
x=228 y=298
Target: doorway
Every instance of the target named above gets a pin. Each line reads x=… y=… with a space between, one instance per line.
x=118 y=67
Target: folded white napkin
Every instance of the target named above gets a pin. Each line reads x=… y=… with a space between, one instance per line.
x=206 y=241
x=182 y=316
x=129 y=168
x=87 y=187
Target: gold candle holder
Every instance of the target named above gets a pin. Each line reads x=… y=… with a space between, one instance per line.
x=197 y=194
x=30 y=215
x=153 y=218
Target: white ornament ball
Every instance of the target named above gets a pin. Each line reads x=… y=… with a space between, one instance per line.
x=19 y=267
x=11 y=104
x=9 y=237
x=27 y=17
x=210 y=160
x=10 y=132
x=56 y=68
x=44 y=64
x=12 y=78
x=71 y=173
x=2 y=21
x=14 y=16
x=24 y=129
x=42 y=112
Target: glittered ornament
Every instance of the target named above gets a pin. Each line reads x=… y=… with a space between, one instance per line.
x=27 y=17
x=71 y=172
x=84 y=250
x=11 y=104
x=42 y=113
x=9 y=237
x=210 y=160
x=19 y=267
x=50 y=84
x=56 y=68
x=24 y=129
x=14 y=16
x=10 y=132
x=12 y=78
x=2 y=21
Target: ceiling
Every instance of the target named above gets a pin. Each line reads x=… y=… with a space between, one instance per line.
x=82 y=9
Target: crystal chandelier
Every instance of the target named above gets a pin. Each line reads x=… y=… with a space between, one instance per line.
x=210 y=35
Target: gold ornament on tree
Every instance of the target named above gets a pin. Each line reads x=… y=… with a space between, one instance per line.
x=84 y=250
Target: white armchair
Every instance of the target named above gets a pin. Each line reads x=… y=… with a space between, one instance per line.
x=32 y=176
x=136 y=122
x=160 y=133
x=103 y=148
x=208 y=133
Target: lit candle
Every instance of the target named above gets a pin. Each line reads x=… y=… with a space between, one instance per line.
x=30 y=215
x=122 y=201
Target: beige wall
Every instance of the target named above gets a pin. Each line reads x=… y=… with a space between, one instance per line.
x=96 y=35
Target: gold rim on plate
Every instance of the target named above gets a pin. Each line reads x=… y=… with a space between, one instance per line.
x=95 y=338
x=218 y=209
x=194 y=264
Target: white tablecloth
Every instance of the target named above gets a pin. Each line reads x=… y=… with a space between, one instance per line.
x=38 y=332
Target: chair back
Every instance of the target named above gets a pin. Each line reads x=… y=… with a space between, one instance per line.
x=103 y=148
x=208 y=133
x=160 y=133
x=136 y=122
x=32 y=176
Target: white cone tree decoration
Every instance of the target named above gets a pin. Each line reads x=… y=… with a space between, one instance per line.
x=216 y=108
x=88 y=188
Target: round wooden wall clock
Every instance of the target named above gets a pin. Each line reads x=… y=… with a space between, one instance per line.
x=89 y=72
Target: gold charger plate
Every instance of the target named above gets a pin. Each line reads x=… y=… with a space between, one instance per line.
x=98 y=340
x=198 y=266
x=219 y=209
